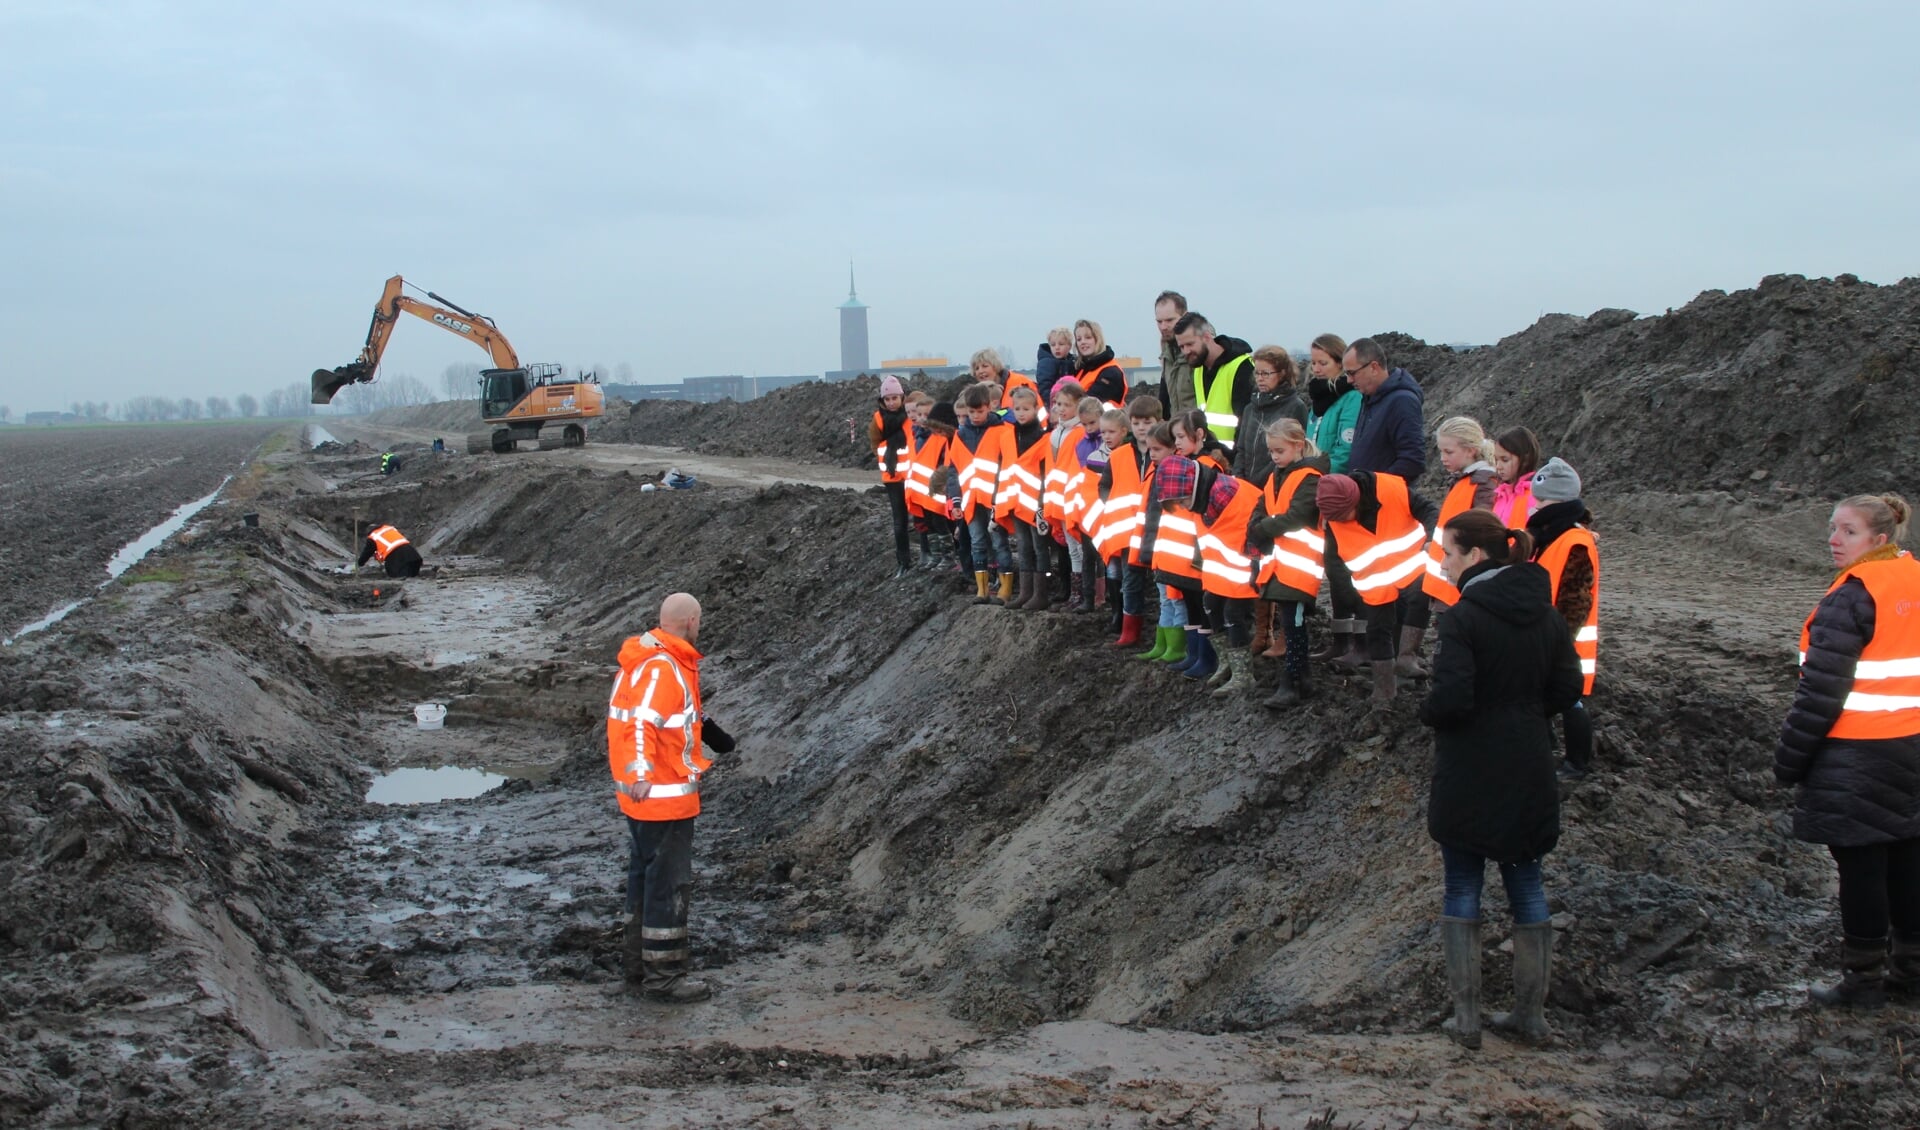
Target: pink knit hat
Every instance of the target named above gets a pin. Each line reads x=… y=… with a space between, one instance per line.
x=890 y=386
x=1337 y=496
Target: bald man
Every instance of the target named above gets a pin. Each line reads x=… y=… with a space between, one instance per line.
x=654 y=733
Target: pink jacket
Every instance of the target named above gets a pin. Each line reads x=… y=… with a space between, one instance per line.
x=1513 y=502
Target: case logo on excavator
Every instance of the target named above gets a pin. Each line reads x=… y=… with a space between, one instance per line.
x=454 y=324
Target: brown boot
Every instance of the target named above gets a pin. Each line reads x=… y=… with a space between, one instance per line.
x=1262 y=627
x=1337 y=632
x=1041 y=598
x=667 y=982
x=1277 y=635
x=1408 y=663
x=1386 y=684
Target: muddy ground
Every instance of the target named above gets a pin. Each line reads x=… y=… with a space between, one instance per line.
x=969 y=867
x=71 y=497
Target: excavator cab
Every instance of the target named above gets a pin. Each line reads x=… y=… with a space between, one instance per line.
x=500 y=390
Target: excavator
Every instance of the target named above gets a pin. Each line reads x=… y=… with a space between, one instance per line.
x=516 y=400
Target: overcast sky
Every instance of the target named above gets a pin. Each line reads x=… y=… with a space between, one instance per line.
x=206 y=198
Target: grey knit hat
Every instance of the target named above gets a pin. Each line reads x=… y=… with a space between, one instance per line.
x=1556 y=482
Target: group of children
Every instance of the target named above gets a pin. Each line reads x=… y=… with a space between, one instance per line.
x=1098 y=499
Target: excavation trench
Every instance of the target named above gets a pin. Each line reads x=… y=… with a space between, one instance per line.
x=966 y=862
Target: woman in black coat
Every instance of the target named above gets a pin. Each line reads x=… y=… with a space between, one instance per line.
x=1505 y=666
x=1852 y=744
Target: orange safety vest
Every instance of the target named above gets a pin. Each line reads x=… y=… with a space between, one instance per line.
x=900 y=454
x=1384 y=559
x=1226 y=568
x=1176 y=542
x=1085 y=381
x=1885 y=699
x=1022 y=479
x=980 y=468
x=1059 y=499
x=653 y=726
x=1117 y=522
x=927 y=460
x=1298 y=557
x=386 y=539
x=1021 y=380
x=1586 y=637
x=1459 y=500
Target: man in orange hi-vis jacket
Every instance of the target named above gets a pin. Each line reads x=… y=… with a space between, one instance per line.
x=654 y=733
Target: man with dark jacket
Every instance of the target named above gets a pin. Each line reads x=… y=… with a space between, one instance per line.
x=1390 y=435
x=1176 y=374
x=1222 y=374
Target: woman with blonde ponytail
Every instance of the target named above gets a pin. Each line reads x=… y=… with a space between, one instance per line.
x=1851 y=746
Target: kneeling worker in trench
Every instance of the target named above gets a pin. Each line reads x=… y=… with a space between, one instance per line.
x=654 y=732
x=391 y=548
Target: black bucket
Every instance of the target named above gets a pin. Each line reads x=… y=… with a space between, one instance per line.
x=252 y=521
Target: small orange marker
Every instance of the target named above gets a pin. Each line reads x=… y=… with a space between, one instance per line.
x=376 y=592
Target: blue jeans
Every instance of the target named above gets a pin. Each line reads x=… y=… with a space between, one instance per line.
x=1133 y=585
x=1467 y=871
x=1173 y=613
x=989 y=536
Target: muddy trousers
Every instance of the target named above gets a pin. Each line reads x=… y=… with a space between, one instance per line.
x=1412 y=609
x=989 y=539
x=897 y=506
x=659 y=884
x=1029 y=547
x=1466 y=872
x=403 y=562
x=1230 y=616
x=1133 y=586
x=1290 y=620
x=1879 y=884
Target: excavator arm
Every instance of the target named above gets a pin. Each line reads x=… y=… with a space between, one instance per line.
x=476 y=328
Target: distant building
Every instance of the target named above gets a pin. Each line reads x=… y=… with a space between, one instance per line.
x=50 y=418
x=707 y=390
x=853 y=329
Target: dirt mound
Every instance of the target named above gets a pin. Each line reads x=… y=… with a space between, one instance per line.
x=1799 y=386
x=808 y=423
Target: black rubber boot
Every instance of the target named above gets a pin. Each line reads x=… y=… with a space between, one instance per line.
x=1903 y=967
x=1532 y=962
x=1863 y=977
x=1460 y=942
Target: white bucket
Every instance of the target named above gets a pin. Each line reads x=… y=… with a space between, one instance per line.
x=430 y=715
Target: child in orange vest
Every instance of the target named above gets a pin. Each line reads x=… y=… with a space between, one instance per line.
x=1576 y=589
x=1143 y=415
x=1181 y=611
x=1111 y=434
x=1022 y=478
x=1290 y=578
x=1192 y=439
x=888 y=437
x=1063 y=468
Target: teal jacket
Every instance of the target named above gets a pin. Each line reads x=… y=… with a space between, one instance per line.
x=1333 y=432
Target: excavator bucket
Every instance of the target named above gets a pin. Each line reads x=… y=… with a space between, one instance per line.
x=327 y=382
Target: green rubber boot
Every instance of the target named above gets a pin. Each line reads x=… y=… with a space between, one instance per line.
x=1159 y=648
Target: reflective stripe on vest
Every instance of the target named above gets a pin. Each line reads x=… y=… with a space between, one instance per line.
x=1176 y=545
x=1297 y=559
x=1383 y=559
x=901 y=454
x=1222 y=422
x=1885 y=699
x=926 y=463
x=386 y=539
x=1226 y=569
x=1123 y=515
x=1459 y=500
x=1586 y=637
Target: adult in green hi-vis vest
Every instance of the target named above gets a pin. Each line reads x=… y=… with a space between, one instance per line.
x=1222 y=376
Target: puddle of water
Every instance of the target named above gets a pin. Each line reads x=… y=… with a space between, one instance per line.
x=317 y=435
x=129 y=556
x=513 y=878
x=425 y=786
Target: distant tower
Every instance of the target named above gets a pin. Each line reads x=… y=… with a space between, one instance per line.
x=853 y=330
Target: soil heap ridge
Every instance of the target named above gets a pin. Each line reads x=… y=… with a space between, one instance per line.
x=1811 y=381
